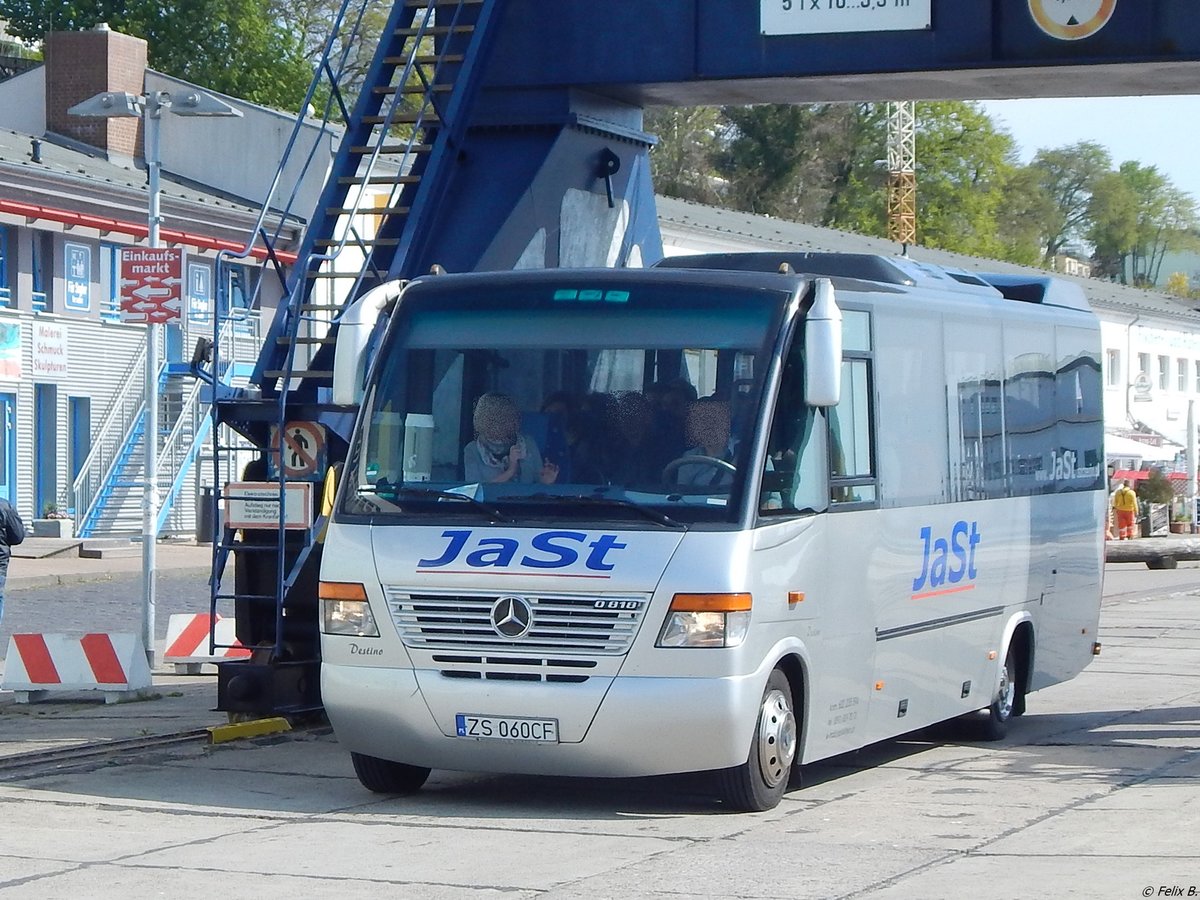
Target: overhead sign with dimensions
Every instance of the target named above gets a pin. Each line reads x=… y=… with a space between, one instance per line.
x=838 y=16
x=151 y=284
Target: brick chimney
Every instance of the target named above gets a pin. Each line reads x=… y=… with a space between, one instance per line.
x=81 y=64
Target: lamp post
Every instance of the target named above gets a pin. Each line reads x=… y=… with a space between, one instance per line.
x=149 y=107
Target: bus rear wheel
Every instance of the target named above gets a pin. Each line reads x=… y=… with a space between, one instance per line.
x=383 y=776
x=759 y=783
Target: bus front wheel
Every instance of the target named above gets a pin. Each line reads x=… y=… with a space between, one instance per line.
x=383 y=776
x=1004 y=705
x=759 y=783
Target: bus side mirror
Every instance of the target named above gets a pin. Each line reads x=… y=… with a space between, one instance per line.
x=823 y=347
x=350 y=359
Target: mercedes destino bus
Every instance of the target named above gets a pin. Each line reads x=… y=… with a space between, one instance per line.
x=729 y=515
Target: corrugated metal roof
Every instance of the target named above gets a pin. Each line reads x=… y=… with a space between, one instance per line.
x=765 y=232
x=88 y=171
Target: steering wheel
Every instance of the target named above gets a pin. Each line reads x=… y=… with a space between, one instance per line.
x=672 y=468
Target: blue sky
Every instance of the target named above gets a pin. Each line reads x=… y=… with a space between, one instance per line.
x=1155 y=131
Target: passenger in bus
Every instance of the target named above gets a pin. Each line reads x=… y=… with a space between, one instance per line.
x=563 y=432
x=627 y=455
x=500 y=452
x=669 y=403
x=708 y=428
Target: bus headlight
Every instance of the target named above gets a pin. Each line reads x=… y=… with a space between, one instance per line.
x=345 y=610
x=706 y=620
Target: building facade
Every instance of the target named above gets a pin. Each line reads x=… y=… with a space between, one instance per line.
x=73 y=193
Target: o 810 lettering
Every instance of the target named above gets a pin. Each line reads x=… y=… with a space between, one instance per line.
x=629 y=605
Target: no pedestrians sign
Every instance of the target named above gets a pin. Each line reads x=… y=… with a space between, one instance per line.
x=151 y=284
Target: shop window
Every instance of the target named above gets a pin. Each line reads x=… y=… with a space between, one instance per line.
x=42 y=269
x=110 y=283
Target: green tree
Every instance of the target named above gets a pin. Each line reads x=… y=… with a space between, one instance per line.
x=1177 y=284
x=1113 y=224
x=682 y=162
x=963 y=165
x=237 y=47
x=1068 y=175
x=1165 y=218
x=351 y=48
x=796 y=162
x=1023 y=216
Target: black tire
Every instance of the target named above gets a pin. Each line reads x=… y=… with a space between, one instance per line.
x=759 y=783
x=383 y=776
x=998 y=716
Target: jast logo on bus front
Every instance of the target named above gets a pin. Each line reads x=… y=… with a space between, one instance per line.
x=948 y=560
x=546 y=550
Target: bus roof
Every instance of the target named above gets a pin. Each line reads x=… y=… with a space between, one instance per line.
x=895 y=270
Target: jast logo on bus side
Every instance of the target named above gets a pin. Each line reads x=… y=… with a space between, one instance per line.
x=937 y=569
x=547 y=550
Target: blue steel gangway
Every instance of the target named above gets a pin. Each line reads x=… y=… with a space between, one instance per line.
x=397 y=145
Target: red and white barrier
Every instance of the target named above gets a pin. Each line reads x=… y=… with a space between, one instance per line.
x=187 y=642
x=38 y=664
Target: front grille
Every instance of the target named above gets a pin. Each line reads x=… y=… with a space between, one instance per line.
x=562 y=625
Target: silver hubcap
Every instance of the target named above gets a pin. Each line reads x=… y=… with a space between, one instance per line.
x=1005 y=695
x=776 y=737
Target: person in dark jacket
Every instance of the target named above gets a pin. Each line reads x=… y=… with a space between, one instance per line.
x=12 y=532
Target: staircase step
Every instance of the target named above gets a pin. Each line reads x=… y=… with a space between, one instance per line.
x=374 y=179
x=300 y=373
x=404 y=118
x=434 y=31
x=109 y=549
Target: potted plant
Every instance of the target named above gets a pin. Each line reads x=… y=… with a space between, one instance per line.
x=54 y=523
x=1155 y=492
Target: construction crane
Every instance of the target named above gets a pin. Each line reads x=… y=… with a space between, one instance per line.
x=902 y=172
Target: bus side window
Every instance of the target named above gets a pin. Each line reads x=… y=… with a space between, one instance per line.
x=795 y=474
x=851 y=450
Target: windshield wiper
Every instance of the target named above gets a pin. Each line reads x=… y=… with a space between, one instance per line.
x=612 y=502
x=395 y=492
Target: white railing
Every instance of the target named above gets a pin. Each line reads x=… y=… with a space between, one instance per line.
x=123 y=412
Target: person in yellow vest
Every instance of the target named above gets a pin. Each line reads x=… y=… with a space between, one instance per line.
x=1125 y=504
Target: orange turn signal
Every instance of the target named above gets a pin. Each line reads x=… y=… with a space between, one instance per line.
x=342 y=590
x=710 y=603
x=795 y=597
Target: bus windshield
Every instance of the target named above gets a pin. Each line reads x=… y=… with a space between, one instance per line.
x=632 y=399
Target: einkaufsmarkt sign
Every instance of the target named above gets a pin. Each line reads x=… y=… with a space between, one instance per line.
x=1066 y=20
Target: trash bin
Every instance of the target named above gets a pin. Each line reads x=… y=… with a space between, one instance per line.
x=205 y=516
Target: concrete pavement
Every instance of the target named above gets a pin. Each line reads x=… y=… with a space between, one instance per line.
x=179 y=702
x=45 y=562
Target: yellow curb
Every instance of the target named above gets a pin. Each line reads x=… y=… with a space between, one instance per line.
x=219 y=734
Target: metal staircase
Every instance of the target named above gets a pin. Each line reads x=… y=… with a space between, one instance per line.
x=396 y=156
x=98 y=492
x=107 y=493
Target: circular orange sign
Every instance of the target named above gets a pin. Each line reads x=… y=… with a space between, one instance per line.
x=1071 y=20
